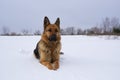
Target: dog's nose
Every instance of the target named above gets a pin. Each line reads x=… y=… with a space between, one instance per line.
x=53 y=37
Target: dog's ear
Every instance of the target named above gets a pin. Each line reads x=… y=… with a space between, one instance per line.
x=58 y=22
x=46 y=22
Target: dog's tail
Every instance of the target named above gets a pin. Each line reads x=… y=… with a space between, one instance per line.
x=36 y=53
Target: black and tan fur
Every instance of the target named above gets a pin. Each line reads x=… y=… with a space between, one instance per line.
x=48 y=48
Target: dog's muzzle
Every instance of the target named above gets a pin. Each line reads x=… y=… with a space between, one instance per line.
x=52 y=37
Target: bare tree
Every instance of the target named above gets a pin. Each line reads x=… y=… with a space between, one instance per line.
x=96 y=30
x=25 y=32
x=115 y=22
x=37 y=32
x=106 y=25
x=80 y=32
x=70 y=31
x=5 y=30
x=62 y=31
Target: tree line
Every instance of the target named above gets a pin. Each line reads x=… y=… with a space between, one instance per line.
x=107 y=27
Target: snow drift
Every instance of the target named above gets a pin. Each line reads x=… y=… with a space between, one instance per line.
x=85 y=58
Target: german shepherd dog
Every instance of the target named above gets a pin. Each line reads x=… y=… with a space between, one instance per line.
x=48 y=48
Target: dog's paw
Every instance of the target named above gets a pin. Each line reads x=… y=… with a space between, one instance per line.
x=49 y=66
x=56 y=65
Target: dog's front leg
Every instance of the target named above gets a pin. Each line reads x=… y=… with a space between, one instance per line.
x=56 y=60
x=46 y=59
x=56 y=56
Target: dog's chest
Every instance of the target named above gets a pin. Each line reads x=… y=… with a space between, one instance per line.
x=52 y=45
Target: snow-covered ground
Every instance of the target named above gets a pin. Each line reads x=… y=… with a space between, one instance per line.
x=85 y=58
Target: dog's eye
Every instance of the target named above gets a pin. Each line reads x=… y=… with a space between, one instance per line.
x=49 y=30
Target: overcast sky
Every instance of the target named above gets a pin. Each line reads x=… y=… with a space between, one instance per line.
x=29 y=14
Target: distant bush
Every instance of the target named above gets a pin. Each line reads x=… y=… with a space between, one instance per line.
x=116 y=30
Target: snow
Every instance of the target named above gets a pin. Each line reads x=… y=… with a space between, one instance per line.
x=85 y=58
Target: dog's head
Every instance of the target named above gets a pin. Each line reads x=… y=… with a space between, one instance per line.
x=52 y=31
